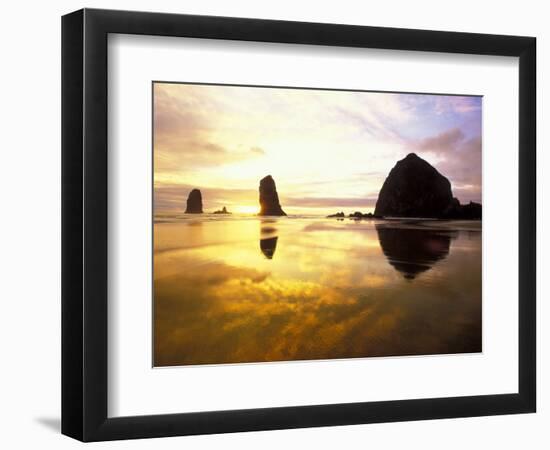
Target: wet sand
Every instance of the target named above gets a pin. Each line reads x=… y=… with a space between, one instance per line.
x=248 y=289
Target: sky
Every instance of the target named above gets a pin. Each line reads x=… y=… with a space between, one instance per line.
x=327 y=150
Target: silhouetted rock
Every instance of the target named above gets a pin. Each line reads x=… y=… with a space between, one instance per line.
x=340 y=214
x=269 y=199
x=222 y=211
x=414 y=188
x=412 y=251
x=194 y=202
x=360 y=215
x=470 y=211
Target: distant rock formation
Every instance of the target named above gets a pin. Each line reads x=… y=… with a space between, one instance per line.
x=269 y=199
x=360 y=215
x=222 y=211
x=194 y=202
x=470 y=211
x=414 y=188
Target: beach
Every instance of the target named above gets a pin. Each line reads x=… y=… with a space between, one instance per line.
x=243 y=288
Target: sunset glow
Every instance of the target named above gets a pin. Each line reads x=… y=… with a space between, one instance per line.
x=327 y=150
x=264 y=250
x=247 y=209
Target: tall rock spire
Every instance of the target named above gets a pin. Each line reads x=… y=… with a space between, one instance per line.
x=194 y=202
x=269 y=199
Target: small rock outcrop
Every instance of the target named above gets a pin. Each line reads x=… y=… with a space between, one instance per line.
x=269 y=199
x=339 y=214
x=359 y=215
x=222 y=211
x=470 y=211
x=414 y=188
x=194 y=202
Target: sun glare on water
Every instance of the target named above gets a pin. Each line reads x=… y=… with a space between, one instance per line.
x=247 y=209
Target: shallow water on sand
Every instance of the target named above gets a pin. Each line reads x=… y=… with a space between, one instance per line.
x=248 y=289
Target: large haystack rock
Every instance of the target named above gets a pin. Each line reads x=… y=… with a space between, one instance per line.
x=414 y=188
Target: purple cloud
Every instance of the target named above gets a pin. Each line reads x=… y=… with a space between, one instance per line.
x=459 y=160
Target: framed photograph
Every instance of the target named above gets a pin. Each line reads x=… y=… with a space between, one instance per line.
x=272 y=224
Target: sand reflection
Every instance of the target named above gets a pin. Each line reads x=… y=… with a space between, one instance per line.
x=268 y=237
x=328 y=292
x=413 y=250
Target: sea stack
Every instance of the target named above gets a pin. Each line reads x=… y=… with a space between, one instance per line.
x=269 y=200
x=222 y=211
x=194 y=202
x=414 y=188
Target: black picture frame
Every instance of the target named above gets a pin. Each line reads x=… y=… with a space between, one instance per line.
x=84 y=224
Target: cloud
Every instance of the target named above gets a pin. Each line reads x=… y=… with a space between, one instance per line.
x=185 y=134
x=458 y=158
x=441 y=142
x=457 y=104
x=368 y=202
x=379 y=115
x=465 y=168
x=322 y=146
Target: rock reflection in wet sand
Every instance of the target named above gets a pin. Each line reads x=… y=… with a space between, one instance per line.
x=268 y=237
x=268 y=246
x=413 y=250
x=333 y=290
